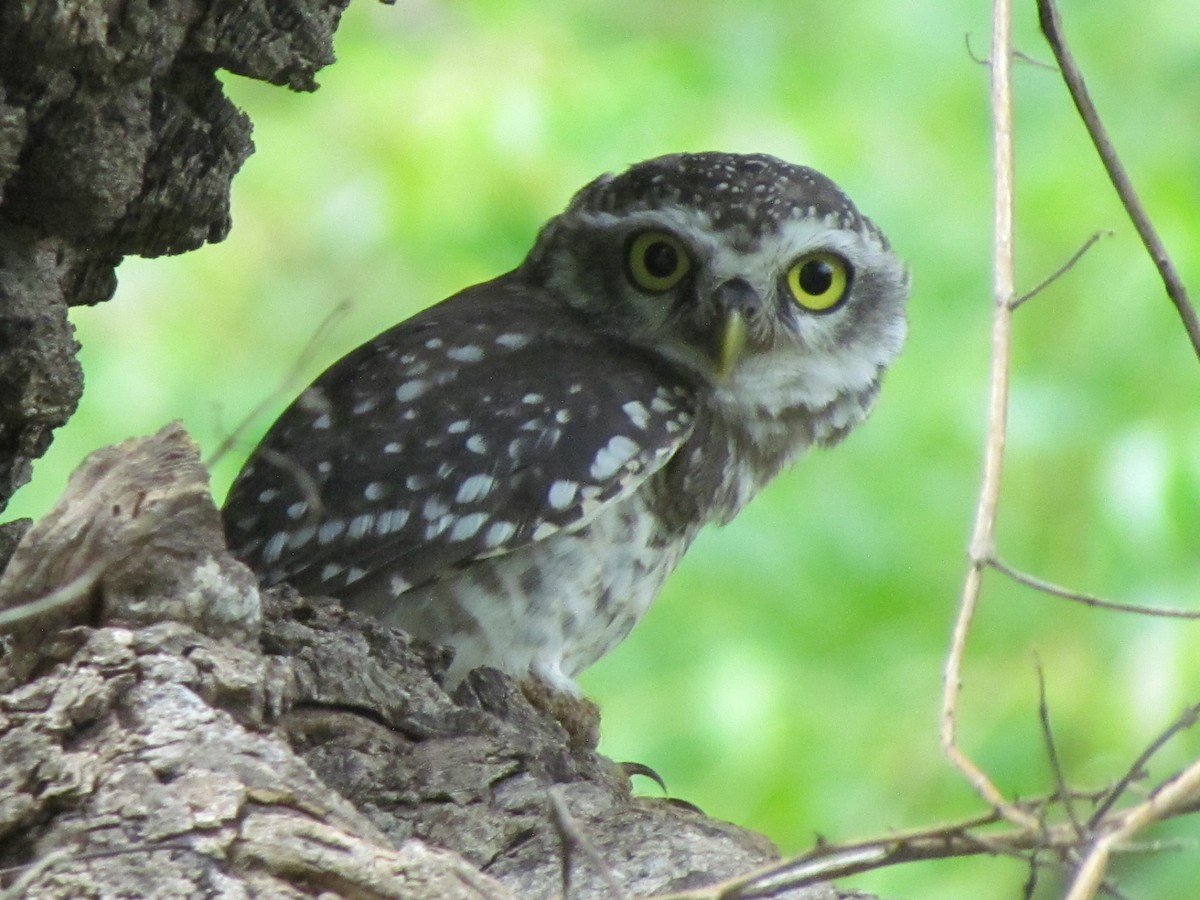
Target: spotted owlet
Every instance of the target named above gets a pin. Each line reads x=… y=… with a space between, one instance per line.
x=514 y=471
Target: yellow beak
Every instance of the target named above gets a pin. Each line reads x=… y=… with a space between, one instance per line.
x=731 y=340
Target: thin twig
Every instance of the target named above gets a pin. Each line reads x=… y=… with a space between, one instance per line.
x=1137 y=769
x=287 y=384
x=1061 y=270
x=1051 y=25
x=305 y=483
x=975 y=57
x=32 y=871
x=64 y=595
x=1060 y=781
x=983 y=533
x=826 y=862
x=1048 y=587
x=1174 y=794
x=574 y=839
x=1017 y=54
x=82 y=584
x=1030 y=887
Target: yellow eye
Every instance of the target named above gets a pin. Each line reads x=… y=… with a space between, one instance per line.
x=819 y=281
x=657 y=261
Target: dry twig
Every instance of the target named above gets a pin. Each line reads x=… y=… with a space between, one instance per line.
x=287 y=384
x=1051 y=25
x=573 y=838
x=1177 y=794
x=1049 y=587
x=982 y=544
x=1137 y=769
x=1061 y=270
x=1060 y=779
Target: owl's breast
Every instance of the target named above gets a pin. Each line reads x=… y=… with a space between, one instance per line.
x=550 y=609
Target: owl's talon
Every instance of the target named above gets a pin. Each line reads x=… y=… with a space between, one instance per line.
x=635 y=768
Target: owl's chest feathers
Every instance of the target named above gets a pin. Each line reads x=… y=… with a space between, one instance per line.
x=712 y=475
x=734 y=451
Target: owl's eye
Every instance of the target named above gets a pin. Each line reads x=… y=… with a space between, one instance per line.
x=657 y=261
x=819 y=281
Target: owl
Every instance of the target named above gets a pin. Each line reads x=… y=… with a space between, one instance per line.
x=515 y=471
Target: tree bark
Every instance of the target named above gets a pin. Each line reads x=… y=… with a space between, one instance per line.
x=116 y=138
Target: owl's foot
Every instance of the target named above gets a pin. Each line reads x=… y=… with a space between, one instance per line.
x=579 y=716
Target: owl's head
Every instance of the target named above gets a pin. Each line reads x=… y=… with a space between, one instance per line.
x=759 y=276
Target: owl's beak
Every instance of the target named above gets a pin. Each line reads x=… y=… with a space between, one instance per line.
x=736 y=302
x=732 y=340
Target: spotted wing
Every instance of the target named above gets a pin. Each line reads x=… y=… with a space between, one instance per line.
x=487 y=423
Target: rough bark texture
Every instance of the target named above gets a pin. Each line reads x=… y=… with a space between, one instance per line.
x=116 y=139
x=165 y=730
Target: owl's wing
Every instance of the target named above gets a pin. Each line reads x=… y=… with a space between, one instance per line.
x=487 y=423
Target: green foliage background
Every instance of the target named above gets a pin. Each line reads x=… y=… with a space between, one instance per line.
x=789 y=676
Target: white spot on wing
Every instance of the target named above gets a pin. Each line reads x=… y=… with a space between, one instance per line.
x=301 y=537
x=465 y=353
x=512 y=340
x=498 y=533
x=275 y=546
x=562 y=494
x=476 y=487
x=321 y=421
x=637 y=413
x=609 y=458
x=410 y=390
x=297 y=509
x=330 y=530
x=458 y=426
x=390 y=520
x=476 y=444
x=373 y=491
x=439 y=526
x=434 y=508
x=360 y=525
x=467 y=526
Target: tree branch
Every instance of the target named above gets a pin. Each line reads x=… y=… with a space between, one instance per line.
x=1051 y=25
x=982 y=543
x=1048 y=587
